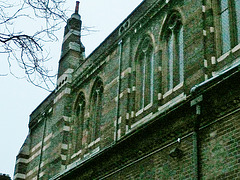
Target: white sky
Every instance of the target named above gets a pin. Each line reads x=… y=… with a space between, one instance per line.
x=18 y=98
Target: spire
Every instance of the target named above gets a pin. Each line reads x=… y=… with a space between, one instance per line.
x=72 y=48
x=77 y=7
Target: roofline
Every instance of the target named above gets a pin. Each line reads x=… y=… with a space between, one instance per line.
x=115 y=30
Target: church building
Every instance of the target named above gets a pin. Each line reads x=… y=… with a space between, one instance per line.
x=158 y=99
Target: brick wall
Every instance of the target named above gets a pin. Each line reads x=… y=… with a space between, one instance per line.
x=140 y=145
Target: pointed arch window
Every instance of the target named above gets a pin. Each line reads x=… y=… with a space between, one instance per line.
x=80 y=108
x=174 y=51
x=96 y=110
x=230 y=24
x=144 y=74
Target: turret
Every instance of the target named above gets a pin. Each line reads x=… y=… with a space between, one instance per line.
x=72 y=53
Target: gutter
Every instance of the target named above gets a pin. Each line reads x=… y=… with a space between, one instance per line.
x=220 y=77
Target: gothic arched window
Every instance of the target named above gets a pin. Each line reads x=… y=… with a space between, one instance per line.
x=79 y=110
x=144 y=74
x=174 y=51
x=229 y=12
x=95 y=110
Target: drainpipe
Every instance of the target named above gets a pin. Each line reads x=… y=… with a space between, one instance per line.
x=196 y=154
x=196 y=103
x=120 y=45
x=196 y=143
x=41 y=152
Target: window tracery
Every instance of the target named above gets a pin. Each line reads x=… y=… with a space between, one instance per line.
x=173 y=37
x=79 y=111
x=144 y=74
x=95 y=109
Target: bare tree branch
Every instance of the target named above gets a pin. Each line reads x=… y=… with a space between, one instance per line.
x=27 y=49
x=3 y=74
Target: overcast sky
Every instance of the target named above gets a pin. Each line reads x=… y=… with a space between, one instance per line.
x=18 y=98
